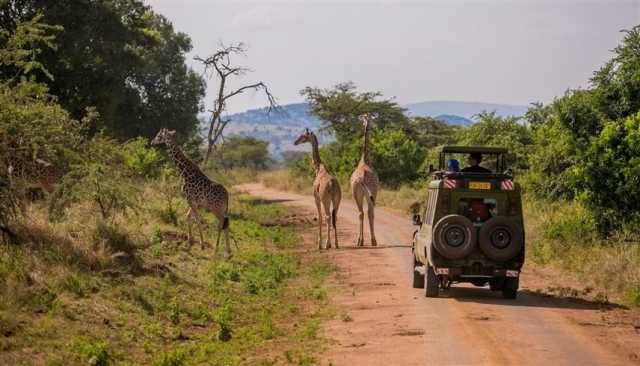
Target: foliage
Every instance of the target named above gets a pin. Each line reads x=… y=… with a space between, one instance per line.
x=493 y=130
x=609 y=177
x=98 y=178
x=142 y=159
x=396 y=156
x=341 y=108
x=242 y=152
x=117 y=56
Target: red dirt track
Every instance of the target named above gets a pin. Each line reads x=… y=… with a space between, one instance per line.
x=382 y=320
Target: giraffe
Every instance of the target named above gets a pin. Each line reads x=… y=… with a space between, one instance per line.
x=25 y=173
x=364 y=184
x=199 y=191
x=326 y=191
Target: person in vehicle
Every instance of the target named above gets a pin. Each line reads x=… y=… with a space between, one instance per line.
x=453 y=165
x=474 y=164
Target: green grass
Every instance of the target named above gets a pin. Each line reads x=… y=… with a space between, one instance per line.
x=133 y=291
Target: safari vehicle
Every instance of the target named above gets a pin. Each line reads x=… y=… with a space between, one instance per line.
x=472 y=227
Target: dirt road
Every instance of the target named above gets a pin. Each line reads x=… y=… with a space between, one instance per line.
x=382 y=320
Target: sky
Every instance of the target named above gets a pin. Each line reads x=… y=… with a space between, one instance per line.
x=500 y=51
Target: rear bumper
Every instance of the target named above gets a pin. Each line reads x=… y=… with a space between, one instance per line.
x=461 y=273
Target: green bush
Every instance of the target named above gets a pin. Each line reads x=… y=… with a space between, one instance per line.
x=142 y=159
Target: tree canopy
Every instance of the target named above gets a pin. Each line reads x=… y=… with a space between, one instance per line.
x=115 y=55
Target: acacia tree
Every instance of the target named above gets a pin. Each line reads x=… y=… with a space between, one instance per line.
x=220 y=66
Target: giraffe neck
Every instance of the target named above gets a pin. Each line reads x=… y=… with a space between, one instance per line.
x=315 y=153
x=182 y=163
x=365 y=146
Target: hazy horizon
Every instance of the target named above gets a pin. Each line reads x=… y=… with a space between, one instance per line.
x=505 y=52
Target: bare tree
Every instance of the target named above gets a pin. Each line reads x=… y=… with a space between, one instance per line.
x=219 y=64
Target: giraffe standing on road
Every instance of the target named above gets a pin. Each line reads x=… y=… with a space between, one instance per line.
x=326 y=191
x=199 y=191
x=364 y=185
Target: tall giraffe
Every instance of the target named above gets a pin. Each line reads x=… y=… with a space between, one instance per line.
x=326 y=191
x=199 y=191
x=364 y=184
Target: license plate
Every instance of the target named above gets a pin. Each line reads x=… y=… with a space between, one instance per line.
x=479 y=185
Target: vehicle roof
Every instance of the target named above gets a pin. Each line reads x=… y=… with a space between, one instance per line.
x=474 y=149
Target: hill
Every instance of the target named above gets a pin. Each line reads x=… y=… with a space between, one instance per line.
x=463 y=109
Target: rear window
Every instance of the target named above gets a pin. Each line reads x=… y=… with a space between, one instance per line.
x=478 y=209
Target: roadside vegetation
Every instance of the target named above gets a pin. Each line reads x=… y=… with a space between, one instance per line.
x=95 y=266
x=577 y=160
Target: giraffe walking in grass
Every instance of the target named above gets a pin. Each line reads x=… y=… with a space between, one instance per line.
x=326 y=191
x=200 y=192
x=364 y=186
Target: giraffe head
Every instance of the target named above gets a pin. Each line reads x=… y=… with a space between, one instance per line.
x=164 y=136
x=305 y=137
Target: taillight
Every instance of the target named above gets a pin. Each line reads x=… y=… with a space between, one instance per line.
x=444 y=204
x=514 y=207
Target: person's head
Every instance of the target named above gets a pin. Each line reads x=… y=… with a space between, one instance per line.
x=453 y=165
x=475 y=159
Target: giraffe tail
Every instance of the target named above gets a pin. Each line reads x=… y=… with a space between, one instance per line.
x=225 y=223
x=369 y=195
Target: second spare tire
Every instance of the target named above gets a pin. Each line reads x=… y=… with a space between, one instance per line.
x=454 y=236
x=501 y=238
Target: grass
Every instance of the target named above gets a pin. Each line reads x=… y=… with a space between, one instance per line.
x=559 y=234
x=132 y=291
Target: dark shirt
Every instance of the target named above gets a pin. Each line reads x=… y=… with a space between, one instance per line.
x=475 y=169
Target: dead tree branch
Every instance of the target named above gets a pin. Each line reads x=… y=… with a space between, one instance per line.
x=220 y=66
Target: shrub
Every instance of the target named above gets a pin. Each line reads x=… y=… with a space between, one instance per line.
x=145 y=161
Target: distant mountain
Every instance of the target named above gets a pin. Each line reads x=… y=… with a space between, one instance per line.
x=282 y=127
x=279 y=127
x=463 y=109
x=452 y=119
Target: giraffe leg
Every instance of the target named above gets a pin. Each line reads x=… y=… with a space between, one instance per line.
x=319 y=222
x=196 y=216
x=227 y=246
x=189 y=217
x=370 y=213
x=357 y=196
x=327 y=217
x=334 y=215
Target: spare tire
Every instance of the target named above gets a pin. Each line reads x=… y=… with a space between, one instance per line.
x=501 y=238
x=454 y=236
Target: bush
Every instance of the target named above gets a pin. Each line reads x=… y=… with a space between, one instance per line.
x=607 y=178
x=145 y=161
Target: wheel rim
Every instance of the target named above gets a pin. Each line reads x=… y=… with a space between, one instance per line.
x=500 y=238
x=454 y=236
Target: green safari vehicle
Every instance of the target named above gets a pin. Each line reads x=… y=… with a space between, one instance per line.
x=471 y=229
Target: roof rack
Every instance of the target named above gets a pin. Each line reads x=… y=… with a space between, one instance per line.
x=473 y=149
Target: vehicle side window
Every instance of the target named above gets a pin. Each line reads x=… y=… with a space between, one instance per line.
x=428 y=214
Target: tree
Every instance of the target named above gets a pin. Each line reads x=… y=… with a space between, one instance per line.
x=341 y=108
x=242 y=152
x=617 y=83
x=117 y=56
x=493 y=130
x=223 y=69
x=608 y=177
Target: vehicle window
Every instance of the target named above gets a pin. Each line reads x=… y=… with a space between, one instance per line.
x=478 y=209
x=428 y=214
